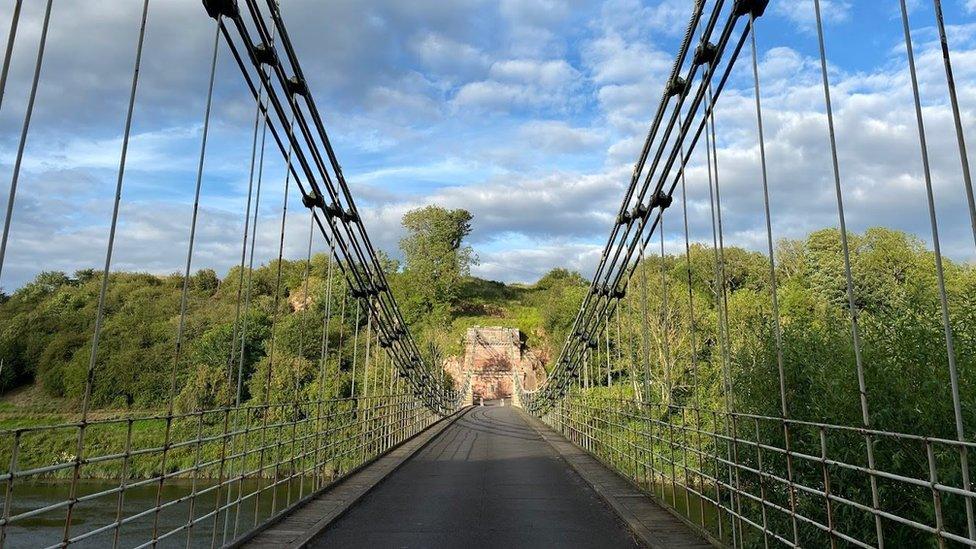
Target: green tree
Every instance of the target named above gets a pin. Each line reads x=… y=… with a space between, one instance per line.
x=436 y=260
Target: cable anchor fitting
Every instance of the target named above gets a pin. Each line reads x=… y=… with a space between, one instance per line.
x=312 y=200
x=333 y=210
x=624 y=218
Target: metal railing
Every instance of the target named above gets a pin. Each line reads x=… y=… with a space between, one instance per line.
x=727 y=474
x=204 y=478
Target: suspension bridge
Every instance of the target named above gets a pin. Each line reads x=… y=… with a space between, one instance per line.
x=593 y=457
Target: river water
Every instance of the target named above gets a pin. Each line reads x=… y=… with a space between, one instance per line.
x=48 y=528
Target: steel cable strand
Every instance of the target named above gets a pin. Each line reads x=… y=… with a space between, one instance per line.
x=362 y=260
x=273 y=348
x=248 y=294
x=698 y=99
x=301 y=355
x=571 y=344
x=110 y=246
x=967 y=176
x=848 y=277
x=184 y=292
x=240 y=325
x=323 y=361
x=639 y=166
x=940 y=274
x=773 y=283
x=8 y=53
x=25 y=129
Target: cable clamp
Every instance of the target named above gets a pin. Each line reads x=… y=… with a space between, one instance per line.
x=294 y=86
x=218 y=8
x=312 y=200
x=623 y=218
x=333 y=210
x=639 y=211
x=265 y=54
x=705 y=53
x=678 y=86
x=661 y=200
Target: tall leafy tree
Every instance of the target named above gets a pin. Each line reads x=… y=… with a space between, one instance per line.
x=435 y=257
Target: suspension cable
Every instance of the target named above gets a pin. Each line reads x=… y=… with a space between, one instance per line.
x=774 y=287
x=8 y=54
x=25 y=129
x=967 y=176
x=849 y=280
x=940 y=273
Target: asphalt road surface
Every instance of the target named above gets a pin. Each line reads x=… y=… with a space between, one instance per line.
x=488 y=480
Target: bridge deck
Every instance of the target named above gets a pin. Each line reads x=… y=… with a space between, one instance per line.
x=490 y=480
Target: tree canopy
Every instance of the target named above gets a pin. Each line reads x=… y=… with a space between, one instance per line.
x=436 y=260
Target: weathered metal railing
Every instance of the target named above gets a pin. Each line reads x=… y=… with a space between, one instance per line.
x=725 y=473
x=220 y=474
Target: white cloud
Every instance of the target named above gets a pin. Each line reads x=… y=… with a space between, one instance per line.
x=544 y=74
x=803 y=15
x=558 y=137
x=518 y=83
x=529 y=263
x=570 y=86
x=450 y=57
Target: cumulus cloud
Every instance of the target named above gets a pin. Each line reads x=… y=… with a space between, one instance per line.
x=529 y=114
x=803 y=15
x=521 y=83
x=558 y=137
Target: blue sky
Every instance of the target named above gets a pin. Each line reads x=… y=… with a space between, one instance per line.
x=529 y=113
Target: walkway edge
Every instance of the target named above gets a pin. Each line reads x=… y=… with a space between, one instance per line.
x=294 y=531
x=655 y=526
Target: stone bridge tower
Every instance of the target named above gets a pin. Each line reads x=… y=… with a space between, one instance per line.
x=493 y=356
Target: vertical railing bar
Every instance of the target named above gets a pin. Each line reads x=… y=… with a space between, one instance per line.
x=762 y=484
x=123 y=477
x=827 y=488
x=936 y=495
x=9 y=490
x=774 y=286
x=193 y=481
x=221 y=470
